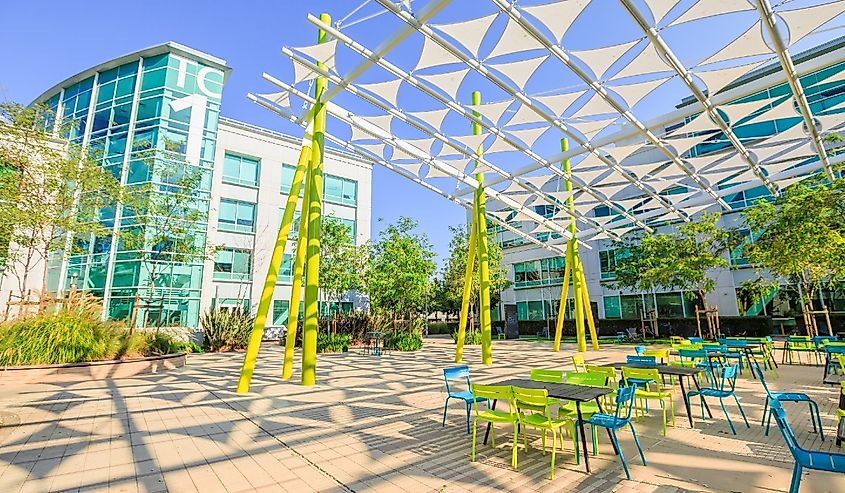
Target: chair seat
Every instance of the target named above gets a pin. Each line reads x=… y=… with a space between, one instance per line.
x=467 y=396
x=791 y=396
x=607 y=421
x=496 y=416
x=543 y=421
x=710 y=393
x=587 y=408
x=653 y=394
x=831 y=462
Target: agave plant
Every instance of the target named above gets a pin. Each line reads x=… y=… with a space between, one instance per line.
x=226 y=329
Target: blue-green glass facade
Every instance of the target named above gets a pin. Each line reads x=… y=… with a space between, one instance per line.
x=155 y=110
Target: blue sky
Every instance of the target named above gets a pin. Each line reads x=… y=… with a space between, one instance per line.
x=47 y=44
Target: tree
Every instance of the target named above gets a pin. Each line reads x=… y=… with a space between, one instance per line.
x=342 y=263
x=801 y=235
x=676 y=260
x=168 y=217
x=455 y=271
x=401 y=266
x=52 y=192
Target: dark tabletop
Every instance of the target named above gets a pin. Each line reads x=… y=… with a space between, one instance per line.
x=567 y=391
x=682 y=371
x=834 y=379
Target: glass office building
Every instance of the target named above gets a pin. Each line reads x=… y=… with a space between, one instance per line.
x=159 y=109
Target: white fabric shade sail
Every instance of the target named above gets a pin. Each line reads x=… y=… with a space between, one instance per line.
x=595 y=96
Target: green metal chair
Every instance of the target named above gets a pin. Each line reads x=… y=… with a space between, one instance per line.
x=532 y=407
x=493 y=416
x=649 y=387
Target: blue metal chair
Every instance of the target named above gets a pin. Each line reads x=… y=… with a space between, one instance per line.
x=695 y=340
x=735 y=349
x=459 y=373
x=640 y=350
x=811 y=459
x=721 y=391
x=787 y=397
x=613 y=422
x=641 y=360
x=831 y=350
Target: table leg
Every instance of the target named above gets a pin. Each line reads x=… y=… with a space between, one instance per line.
x=489 y=424
x=826 y=365
x=706 y=406
x=686 y=400
x=609 y=434
x=583 y=436
x=748 y=359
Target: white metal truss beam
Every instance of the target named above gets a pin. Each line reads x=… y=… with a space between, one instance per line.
x=660 y=45
x=523 y=99
x=419 y=181
x=425 y=13
x=558 y=53
x=766 y=13
x=470 y=115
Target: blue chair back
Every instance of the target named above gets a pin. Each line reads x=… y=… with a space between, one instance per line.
x=788 y=434
x=759 y=372
x=735 y=343
x=728 y=375
x=696 y=340
x=692 y=353
x=819 y=340
x=456 y=373
x=834 y=347
x=640 y=350
x=641 y=360
x=625 y=397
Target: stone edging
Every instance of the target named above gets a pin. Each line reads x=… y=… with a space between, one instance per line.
x=91 y=370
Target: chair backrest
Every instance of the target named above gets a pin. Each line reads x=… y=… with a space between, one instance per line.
x=736 y=343
x=641 y=376
x=786 y=430
x=834 y=347
x=661 y=354
x=456 y=373
x=692 y=354
x=541 y=375
x=493 y=392
x=591 y=379
x=578 y=362
x=728 y=375
x=534 y=400
x=822 y=340
x=759 y=372
x=640 y=350
x=696 y=340
x=625 y=398
x=609 y=373
x=641 y=360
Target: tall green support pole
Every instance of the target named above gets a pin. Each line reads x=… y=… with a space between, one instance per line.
x=314 y=212
x=272 y=272
x=573 y=254
x=564 y=292
x=483 y=255
x=296 y=288
x=470 y=267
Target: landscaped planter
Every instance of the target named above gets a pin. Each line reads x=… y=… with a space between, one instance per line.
x=93 y=370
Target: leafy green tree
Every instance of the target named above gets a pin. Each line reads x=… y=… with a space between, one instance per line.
x=342 y=263
x=801 y=235
x=52 y=192
x=455 y=270
x=676 y=260
x=401 y=267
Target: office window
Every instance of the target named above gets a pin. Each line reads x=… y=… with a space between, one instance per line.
x=240 y=170
x=237 y=216
x=612 y=309
x=607 y=264
x=286 y=270
x=281 y=311
x=233 y=263
x=545 y=272
x=670 y=304
x=340 y=190
x=287 y=179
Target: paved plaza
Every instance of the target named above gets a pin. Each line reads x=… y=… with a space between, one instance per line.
x=370 y=425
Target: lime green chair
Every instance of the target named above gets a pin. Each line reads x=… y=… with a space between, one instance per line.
x=502 y=394
x=578 y=363
x=570 y=409
x=532 y=406
x=609 y=373
x=551 y=376
x=649 y=387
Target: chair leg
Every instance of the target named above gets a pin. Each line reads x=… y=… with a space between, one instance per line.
x=637 y=441
x=765 y=409
x=515 y=441
x=493 y=436
x=768 y=422
x=575 y=444
x=727 y=416
x=554 y=448
x=796 y=478
x=468 y=414
x=741 y=411
x=621 y=455
x=595 y=440
x=663 y=406
x=445 y=408
x=474 y=433
x=814 y=408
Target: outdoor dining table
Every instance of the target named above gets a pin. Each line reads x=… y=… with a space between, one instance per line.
x=565 y=391
x=676 y=371
x=376 y=337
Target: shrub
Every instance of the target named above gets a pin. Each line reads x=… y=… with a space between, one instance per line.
x=76 y=334
x=472 y=338
x=404 y=341
x=332 y=343
x=226 y=329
